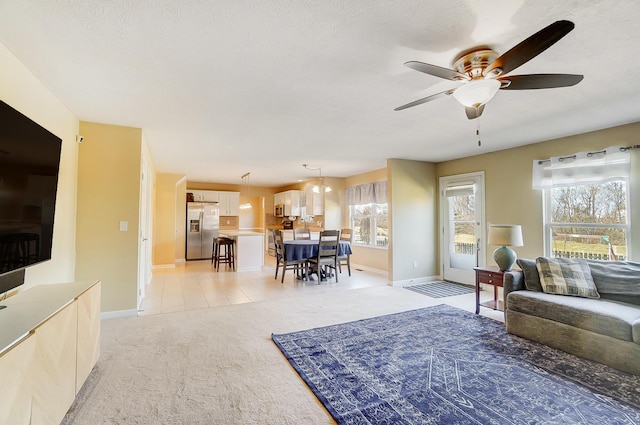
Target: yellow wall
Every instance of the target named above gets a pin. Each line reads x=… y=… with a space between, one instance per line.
x=412 y=218
x=20 y=89
x=509 y=197
x=165 y=221
x=181 y=220
x=108 y=193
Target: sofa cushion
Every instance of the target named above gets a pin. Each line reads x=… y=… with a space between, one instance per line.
x=566 y=276
x=612 y=318
x=530 y=271
x=616 y=277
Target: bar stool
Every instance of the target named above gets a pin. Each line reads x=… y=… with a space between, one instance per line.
x=223 y=252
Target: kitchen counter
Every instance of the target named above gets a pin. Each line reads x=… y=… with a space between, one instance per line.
x=249 y=249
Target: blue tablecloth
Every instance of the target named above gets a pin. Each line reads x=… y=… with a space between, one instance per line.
x=302 y=249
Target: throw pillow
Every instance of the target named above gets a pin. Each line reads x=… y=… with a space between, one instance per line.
x=531 y=277
x=564 y=276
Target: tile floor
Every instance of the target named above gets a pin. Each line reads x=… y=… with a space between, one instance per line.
x=196 y=285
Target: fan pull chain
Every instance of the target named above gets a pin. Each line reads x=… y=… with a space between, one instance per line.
x=478 y=134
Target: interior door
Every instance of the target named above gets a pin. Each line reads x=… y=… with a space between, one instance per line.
x=462 y=222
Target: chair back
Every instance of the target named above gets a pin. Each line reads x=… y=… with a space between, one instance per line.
x=301 y=234
x=346 y=235
x=328 y=243
x=279 y=243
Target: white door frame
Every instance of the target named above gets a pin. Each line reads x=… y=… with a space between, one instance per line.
x=448 y=273
x=144 y=244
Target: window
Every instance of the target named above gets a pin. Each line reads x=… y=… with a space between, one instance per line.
x=586 y=204
x=369 y=213
x=370 y=224
x=588 y=221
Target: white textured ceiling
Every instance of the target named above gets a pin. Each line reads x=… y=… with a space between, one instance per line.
x=225 y=87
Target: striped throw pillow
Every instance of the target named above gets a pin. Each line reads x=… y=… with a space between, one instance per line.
x=565 y=276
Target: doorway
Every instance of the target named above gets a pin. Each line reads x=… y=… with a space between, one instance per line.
x=462 y=223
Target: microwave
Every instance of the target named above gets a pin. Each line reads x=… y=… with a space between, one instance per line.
x=279 y=210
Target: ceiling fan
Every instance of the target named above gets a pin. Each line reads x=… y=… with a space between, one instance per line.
x=483 y=72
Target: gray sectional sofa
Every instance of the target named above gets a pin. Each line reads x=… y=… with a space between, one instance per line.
x=600 y=321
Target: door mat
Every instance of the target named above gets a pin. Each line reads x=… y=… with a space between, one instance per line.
x=441 y=289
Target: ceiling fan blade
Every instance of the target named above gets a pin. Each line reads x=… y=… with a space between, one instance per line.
x=474 y=112
x=529 y=48
x=438 y=71
x=425 y=100
x=539 y=81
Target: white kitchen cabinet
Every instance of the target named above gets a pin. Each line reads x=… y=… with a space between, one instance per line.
x=229 y=203
x=278 y=200
x=313 y=201
x=291 y=201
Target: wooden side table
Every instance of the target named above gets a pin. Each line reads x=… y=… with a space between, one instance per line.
x=489 y=276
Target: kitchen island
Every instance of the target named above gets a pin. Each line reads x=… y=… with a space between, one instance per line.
x=249 y=249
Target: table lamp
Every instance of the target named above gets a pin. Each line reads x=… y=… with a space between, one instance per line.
x=506 y=235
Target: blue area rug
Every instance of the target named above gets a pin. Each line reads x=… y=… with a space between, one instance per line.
x=442 y=365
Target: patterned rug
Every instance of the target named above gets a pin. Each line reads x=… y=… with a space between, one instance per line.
x=441 y=289
x=442 y=365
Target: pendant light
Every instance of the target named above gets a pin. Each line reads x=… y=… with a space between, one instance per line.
x=245 y=191
x=320 y=187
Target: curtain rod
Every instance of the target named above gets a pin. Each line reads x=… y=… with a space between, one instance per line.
x=589 y=154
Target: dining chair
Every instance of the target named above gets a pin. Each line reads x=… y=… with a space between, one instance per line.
x=345 y=259
x=327 y=258
x=301 y=234
x=281 y=258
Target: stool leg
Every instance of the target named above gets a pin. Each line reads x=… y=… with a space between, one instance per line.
x=233 y=256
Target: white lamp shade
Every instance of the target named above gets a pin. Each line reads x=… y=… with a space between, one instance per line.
x=505 y=235
x=477 y=92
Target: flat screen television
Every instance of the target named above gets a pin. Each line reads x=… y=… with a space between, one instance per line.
x=29 y=167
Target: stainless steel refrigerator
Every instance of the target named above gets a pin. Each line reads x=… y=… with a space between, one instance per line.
x=203 y=224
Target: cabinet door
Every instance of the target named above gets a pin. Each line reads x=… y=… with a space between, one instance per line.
x=233 y=204
x=88 y=333
x=16 y=381
x=55 y=366
x=223 y=203
x=210 y=196
x=295 y=202
x=229 y=203
x=313 y=201
x=278 y=199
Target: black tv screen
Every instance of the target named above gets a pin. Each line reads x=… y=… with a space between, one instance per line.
x=29 y=165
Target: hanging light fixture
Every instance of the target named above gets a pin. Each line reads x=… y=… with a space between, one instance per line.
x=245 y=191
x=320 y=187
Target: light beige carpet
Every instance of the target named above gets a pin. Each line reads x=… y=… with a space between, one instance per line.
x=219 y=365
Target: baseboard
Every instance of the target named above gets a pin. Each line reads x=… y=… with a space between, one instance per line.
x=366 y=268
x=163 y=266
x=415 y=280
x=118 y=314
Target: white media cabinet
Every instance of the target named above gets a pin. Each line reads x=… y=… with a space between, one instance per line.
x=49 y=343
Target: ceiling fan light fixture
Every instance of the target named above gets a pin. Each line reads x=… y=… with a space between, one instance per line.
x=477 y=92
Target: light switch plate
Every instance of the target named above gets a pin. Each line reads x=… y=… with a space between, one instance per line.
x=124 y=226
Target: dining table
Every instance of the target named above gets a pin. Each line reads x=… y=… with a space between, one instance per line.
x=302 y=249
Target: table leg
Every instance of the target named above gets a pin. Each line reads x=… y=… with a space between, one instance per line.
x=477 y=296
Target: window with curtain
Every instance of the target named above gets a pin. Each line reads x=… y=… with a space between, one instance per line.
x=368 y=213
x=586 y=203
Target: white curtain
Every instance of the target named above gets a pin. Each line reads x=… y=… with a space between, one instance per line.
x=612 y=163
x=367 y=193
